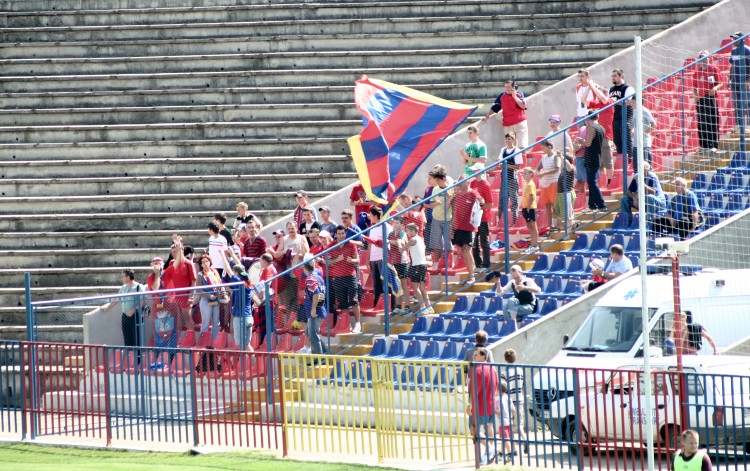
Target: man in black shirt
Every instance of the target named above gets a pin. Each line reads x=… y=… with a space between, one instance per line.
x=619 y=90
x=221 y=219
x=593 y=145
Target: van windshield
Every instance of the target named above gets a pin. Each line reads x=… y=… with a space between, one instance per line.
x=608 y=329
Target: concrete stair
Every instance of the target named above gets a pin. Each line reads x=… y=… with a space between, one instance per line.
x=120 y=126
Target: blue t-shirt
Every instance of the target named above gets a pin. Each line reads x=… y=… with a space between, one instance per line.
x=739 y=72
x=314 y=284
x=623 y=266
x=651 y=181
x=683 y=206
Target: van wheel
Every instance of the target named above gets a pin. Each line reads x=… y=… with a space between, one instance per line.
x=671 y=438
x=572 y=437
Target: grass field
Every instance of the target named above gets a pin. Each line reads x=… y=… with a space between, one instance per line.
x=18 y=457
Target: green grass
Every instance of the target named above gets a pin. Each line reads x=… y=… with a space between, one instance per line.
x=19 y=457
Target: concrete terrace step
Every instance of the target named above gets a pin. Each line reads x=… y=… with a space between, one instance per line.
x=176 y=148
x=63 y=222
x=169 y=184
x=115 y=239
x=15 y=297
x=69 y=5
x=176 y=131
x=51 y=277
x=84 y=258
x=173 y=167
x=307 y=60
x=53 y=317
x=311 y=77
x=278 y=203
x=391 y=25
x=72 y=333
x=317 y=42
x=275 y=11
x=265 y=96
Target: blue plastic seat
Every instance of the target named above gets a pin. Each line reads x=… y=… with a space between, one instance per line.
x=738 y=164
x=461 y=305
x=462 y=351
x=618 y=225
x=712 y=220
x=453 y=328
x=478 y=305
x=470 y=328
x=577 y=267
x=419 y=327
x=737 y=183
x=492 y=327
x=634 y=245
x=573 y=287
x=540 y=281
x=361 y=374
x=718 y=183
x=495 y=305
x=413 y=350
x=716 y=204
x=541 y=265
x=449 y=351
x=508 y=327
x=378 y=348
x=550 y=305
x=396 y=349
x=598 y=243
x=736 y=204
x=448 y=378
x=635 y=260
x=700 y=183
x=437 y=327
x=559 y=264
x=431 y=350
x=581 y=243
x=554 y=286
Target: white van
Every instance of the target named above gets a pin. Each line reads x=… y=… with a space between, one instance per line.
x=611 y=335
x=611 y=408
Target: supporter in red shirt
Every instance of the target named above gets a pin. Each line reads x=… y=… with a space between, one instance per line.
x=483 y=383
x=181 y=274
x=254 y=246
x=482 y=187
x=415 y=215
x=601 y=100
x=513 y=105
x=463 y=230
x=360 y=200
x=344 y=292
x=706 y=82
x=259 y=313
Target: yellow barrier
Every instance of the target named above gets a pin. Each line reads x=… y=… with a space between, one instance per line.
x=395 y=409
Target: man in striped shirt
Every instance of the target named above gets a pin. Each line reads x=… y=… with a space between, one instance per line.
x=516 y=391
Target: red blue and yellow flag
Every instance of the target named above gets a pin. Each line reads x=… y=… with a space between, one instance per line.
x=402 y=127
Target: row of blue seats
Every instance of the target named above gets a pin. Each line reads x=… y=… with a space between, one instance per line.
x=719 y=182
x=414 y=349
x=358 y=373
x=458 y=329
x=599 y=244
x=573 y=265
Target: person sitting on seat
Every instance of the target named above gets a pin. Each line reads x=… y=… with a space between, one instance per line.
x=655 y=200
x=617 y=265
x=684 y=215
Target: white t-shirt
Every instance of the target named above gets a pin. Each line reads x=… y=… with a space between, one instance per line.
x=297 y=245
x=376 y=253
x=417 y=252
x=584 y=95
x=548 y=163
x=558 y=140
x=217 y=245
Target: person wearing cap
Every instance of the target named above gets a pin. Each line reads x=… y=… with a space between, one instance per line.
x=255 y=245
x=359 y=199
x=584 y=96
x=245 y=217
x=739 y=78
x=474 y=152
x=482 y=239
x=326 y=223
x=560 y=139
x=706 y=82
x=308 y=223
x=317 y=244
x=302 y=203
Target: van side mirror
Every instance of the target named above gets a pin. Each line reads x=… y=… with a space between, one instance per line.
x=565 y=339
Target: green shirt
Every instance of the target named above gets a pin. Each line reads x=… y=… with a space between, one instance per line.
x=129 y=302
x=475 y=150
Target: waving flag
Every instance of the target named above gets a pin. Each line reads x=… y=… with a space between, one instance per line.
x=402 y=128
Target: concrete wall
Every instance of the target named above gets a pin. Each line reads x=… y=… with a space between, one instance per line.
x=732 y=238
x=103 y=327
x=703 y=31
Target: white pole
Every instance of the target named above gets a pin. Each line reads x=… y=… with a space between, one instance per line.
x=648 y=400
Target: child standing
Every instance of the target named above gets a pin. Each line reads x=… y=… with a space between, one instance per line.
x=528 y=209
x=418 y=268
x=505 y=414
x=566 y=196
x=398 y=255
x=548 y=171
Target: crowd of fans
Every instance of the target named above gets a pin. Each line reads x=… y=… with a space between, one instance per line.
x=425 y=234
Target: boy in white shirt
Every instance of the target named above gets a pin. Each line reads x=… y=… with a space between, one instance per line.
x=418 y=268
x=505 y=414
